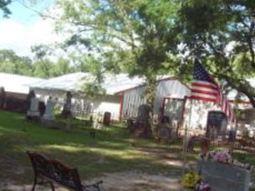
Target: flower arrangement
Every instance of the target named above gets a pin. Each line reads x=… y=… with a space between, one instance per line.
x=221 y=156
x=202 y=186
x=190 y=179
x=225 y=157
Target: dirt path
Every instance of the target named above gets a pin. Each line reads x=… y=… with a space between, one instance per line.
x=130 y=180
x=123 y=181
x=134 y=181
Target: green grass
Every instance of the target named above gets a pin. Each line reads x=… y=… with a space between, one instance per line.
x=111 y=151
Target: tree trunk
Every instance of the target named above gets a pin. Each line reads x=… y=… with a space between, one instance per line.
x=150 y=91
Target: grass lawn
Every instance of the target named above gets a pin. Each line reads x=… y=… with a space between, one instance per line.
x=111 y=151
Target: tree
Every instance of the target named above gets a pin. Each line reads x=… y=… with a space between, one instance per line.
x=135 y=35
x=89 y=63
x=43 y=68
x=143 y=37
x=5 y=3
x=94 y=66
x=12 y=63
x=222 y=34
x=61 y=67
x=4 y=7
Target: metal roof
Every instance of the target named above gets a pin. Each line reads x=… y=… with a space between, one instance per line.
x=17 y=83
x=112 y=83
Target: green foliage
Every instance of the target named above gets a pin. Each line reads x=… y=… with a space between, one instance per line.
x=12 y=63
x=190 y=179
x=93 y=90
x=40 y=51
x=148 y=38
x=43 y=68
x=221 y=33
x=134 y=36
x=61 y=67
x=4 y=7
x=88 y=63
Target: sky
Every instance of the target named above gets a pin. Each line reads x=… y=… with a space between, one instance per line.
x=25 y=28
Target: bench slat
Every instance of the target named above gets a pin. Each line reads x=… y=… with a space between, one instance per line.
x=57 y=172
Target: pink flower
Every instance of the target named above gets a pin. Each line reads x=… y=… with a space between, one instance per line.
x=221 y=156
x=204 y=187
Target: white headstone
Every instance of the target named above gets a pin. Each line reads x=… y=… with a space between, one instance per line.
x=34 y=107
x=48 y=114
x=223 y=177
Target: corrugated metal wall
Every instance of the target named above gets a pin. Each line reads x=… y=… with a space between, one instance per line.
x=133 y=98
x=82 y=106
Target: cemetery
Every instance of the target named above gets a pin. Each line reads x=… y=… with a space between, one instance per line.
x=100 y=147
x=134 y=95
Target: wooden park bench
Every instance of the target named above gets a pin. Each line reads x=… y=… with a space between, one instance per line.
x=52 y=171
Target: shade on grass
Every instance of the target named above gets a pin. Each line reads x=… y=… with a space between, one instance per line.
x=111 y=151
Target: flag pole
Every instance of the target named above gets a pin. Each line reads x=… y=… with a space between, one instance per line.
x=185 y=138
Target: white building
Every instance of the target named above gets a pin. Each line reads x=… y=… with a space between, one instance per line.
x=17 y=83
x=16 y=89
x=170 y=94
x=123 y=94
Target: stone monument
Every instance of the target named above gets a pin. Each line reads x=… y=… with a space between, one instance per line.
x=142 y=126
x=163 y=129
x=223 y=177
x=48 y=114
x=33 y=111
x=66 y=113
x=2 y=97
x=28 y=99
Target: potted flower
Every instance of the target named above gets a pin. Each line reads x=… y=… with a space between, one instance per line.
x=190 y=180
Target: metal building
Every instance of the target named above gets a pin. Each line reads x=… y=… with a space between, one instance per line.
x=170 y=94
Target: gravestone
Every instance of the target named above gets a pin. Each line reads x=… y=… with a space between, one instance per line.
x=216 y=124
x=67 y=106
x=223 y=177
x=144 y=113
x=41 y=107
x=33 y=112
x=48 y=114
x=107 y=118
x=30 y=95
x=164 y=129
x=142 y=127
x=2 y=97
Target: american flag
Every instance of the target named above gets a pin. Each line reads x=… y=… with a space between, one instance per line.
x=205 y=88
x=227 y=108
